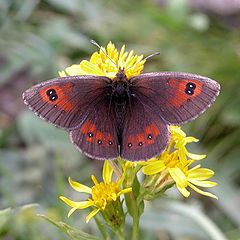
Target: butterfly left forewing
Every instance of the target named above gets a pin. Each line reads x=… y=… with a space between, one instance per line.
x=65 y=101
x=176 y=97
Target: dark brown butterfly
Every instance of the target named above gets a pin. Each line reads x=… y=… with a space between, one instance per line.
x=122 y=117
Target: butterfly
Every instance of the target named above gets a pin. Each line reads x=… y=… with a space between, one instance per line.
x=107 y=118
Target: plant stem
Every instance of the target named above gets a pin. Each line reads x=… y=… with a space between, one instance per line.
x=102 y=228
x=120 y=234
x=135 y=217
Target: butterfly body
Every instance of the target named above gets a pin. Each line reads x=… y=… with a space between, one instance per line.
x=107 y=118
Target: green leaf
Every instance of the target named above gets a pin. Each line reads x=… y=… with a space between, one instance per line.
x=72 y=232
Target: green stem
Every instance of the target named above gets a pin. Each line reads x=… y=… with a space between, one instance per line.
x=120 y=234
x=102 y=228
x=135 y=217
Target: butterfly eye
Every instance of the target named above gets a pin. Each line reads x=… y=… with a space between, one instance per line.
x=191 y=85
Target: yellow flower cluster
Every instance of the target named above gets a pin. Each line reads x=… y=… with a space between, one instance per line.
x=175 y=164
x=107 y=62
x=101 y=193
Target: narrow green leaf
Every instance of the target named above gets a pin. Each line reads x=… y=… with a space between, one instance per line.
x=72 y=232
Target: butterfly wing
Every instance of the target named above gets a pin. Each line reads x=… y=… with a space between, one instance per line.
x=145 y=135
x=176 y=97
x=79 y=104
x=66 y=101
x=97 y=136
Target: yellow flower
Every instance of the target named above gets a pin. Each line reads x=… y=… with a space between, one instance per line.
x=174 y=166
x=193 y=177
x=102 y=193
x=101 y=65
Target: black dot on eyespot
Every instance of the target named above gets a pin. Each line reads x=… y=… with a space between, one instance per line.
x=99 y=141
x=140 y=144
x=191 y=85
x=188 y=100
x=90 y=134
x=129 y=145
x=62 y=111
x=149 y=136
x=110 y=142
x=51 y=91
x=53 y=97
x=189 y=91
x=55 y=106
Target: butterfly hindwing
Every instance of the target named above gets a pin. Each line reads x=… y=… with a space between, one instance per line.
x=177 y=97
x=145 y=135
x=97 y=135
x=66 y=101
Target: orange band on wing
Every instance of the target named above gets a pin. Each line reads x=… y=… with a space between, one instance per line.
x=62 y=94
x=179 y=89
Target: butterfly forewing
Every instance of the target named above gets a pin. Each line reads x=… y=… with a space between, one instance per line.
x=145 y=135
x=66 y=101
x=176 y=97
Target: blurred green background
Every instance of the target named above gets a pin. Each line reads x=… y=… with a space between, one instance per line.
x=38 y=38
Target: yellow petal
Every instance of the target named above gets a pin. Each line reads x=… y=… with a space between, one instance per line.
x=124 y=191
x=75 y=70
x=183 y=191
x=200 y=173
x=71 y=212
x=175 y=130
x=153 y=168
x=206 y=184
x=94 y=58
x=95 y=181
x=114 y=196
x=190 y=139
x=73 y=204
x=182 y=155
x=178 y=176
x=107 y=172
x=208 y=194
x=79 y=187
x=195 y=156
x=91 y=69
x=92 y=214
x=62 y=74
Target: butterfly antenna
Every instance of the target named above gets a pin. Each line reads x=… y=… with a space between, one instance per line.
x=101 y=49
x=152 y=55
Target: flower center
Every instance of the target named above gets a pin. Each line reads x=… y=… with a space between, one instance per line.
x=103 y=193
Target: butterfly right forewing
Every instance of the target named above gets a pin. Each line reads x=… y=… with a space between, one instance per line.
x=176 y=97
